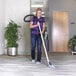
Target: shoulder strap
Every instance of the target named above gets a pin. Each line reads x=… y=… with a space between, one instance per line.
x=35 y=18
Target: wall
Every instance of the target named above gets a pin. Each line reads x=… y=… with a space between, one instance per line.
x=2 y=9
x=16 y=10
x=63 y=5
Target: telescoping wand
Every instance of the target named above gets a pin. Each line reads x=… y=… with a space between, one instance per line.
x=48 y=61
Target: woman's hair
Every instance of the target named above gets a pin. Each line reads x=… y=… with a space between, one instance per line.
x=38 y=9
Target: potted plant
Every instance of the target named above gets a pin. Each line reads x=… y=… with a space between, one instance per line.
x=11 y=35
x=72 y=43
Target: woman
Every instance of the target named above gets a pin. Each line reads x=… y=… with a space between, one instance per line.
x=35 y=22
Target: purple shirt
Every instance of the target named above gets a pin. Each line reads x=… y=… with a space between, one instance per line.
x=41 y=20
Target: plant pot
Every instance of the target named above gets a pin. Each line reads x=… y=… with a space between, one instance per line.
x=12 y=51
x=75 y=48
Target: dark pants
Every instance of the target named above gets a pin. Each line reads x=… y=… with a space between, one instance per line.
x=36 y=39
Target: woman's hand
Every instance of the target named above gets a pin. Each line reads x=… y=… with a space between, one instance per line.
x=34 y=26
x=42 y=32
x=38 y=24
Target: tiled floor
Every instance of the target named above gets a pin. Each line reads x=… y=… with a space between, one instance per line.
x=22 y=66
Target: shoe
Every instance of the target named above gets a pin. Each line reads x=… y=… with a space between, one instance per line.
x=38 y=62
x=33 y=61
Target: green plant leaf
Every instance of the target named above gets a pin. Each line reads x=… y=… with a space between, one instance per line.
x=11 y=34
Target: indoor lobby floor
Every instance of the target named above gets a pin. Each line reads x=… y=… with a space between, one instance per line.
x=65 y=64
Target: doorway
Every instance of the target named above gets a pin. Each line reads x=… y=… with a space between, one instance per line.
x=60 y=31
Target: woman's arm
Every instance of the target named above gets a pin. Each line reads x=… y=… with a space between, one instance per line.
x=43 y=29
x=33 y=26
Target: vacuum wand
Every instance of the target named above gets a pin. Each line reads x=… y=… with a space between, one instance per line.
x=48 y=61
